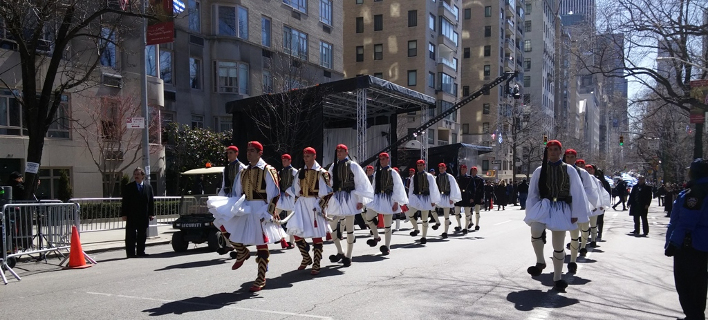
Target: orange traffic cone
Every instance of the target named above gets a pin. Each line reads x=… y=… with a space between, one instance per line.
x=76 y=254
x=381 y=221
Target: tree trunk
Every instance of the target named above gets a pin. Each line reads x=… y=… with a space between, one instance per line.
x=34 y=154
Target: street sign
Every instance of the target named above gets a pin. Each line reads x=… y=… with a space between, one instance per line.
x=136 y=123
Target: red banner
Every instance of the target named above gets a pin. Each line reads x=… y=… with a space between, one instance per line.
x=161 y=29
x=699 y=91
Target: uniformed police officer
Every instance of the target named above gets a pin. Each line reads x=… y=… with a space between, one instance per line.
x=687 y=242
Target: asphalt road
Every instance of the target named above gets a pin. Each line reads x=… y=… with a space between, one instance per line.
x=478 y=276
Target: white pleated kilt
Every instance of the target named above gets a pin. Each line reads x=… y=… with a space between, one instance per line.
x=556 y=216
x=445 y=202
x=285 y=202
x=420 y=203
x=306 y=223
x=382 y=204
x=242 y=220
x=342 y=204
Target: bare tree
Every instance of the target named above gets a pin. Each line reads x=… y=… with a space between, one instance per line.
x=57 y=45
x=114 y=148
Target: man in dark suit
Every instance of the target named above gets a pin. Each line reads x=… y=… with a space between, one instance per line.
x=137 y=209
x=639 y=200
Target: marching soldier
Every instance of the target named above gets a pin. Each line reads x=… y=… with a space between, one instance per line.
x=389 y=196
x=286 y=203
x=590 y=189
x=556 y=202
x=478 y=191
x=312 y=189
x=423 y=194
x=464 y=181
x=350 y=184
x=604 y=202
x=449 y=195
x=255 y=222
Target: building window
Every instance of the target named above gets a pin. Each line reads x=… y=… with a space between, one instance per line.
x=243 y=76
x=488 y=11
x=527 y=26
x=431 y=80
x=49 y=186
x=487 y=70
x=378 y=51
x=447 y=83
x=412 y=48
x=166 y=65
x=487 y=51
x=326 y=55
x=485 y=165
x=150 y=61
x=468 y=14
x=299 y=5
x=108 y=47
x=412 y=75
x=485 y=108
x=466 y=53
x=267 y=82
x=230 y=77
x=359 y=1
x=527 y=45
x=378 y=22
x=378 y=75
x=528 y=7
x=465 y=91
x=107 y=191
x=197 y=121
x=431 y=22
x=527 y=64
x=195 y=19
x=487 y=31
x=233 y=24
x=360 y=25
x=448 y=30
x=195 y=73
x=265 y=31
x=326 y=11
x=412 y=18
x=359 y=53
x=465 y=128
x=527 y=81
x=225 y=124
x=431 y=50
x=485 y=127
x=431 y=136
x=295 y=42
x=527 y=98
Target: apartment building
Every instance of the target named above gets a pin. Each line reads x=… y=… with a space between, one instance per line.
x=410 y=43
x=492 y=43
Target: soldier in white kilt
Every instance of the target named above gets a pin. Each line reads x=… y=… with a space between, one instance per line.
x=556 y=202
x=449 y=194
x=604 y=202
x=312 y=189
x=253 y=219
x=389 y=195
x=286 y=202
x=350 y=185
x=583 y=230
x=423 y=194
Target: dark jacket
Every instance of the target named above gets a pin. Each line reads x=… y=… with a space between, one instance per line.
x=501 y=195
x=523 y=187
x=138 y=206
x=477 y=190
x=639 y=198
x=690 y=217
x=466 y=188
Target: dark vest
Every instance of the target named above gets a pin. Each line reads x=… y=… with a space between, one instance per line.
x=344 y=176
x=558 y=183
x=420 y=185
x=232 y=170
x=385 y=182
x=443 y=183
x=286 y=178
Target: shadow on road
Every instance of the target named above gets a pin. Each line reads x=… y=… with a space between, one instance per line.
x=193 y=264
x=196 y=304
x=368 y=258
x=287 y=279
x=527 y=300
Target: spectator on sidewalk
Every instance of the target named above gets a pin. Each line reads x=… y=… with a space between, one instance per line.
x=523 y=193
x=137 y=209
x=638 y=203
x=687 y=242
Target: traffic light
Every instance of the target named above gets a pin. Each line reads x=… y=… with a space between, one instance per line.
x=545 y=139
x=621 y=140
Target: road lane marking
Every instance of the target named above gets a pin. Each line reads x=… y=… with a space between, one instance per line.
x=503 y=222
x=209 y=305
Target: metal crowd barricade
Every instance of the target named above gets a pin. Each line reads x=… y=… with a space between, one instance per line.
x=36 y=229
x=98 y=214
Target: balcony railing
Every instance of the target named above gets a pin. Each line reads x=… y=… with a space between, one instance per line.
x=452 y=64
x=453 y=10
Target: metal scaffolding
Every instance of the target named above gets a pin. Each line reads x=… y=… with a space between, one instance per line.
x=361 y=123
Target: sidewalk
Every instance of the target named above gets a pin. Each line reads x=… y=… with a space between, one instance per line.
x=99 y=241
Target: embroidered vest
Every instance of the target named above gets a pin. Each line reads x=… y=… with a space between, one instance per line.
x=345 y=176
x=443 y=184
x=558 y=182
x=420 y=185
x=253 y=183
x=286 y=178
x=385 y=182
x=310 y=185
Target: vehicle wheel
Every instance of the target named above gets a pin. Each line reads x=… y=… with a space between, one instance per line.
x=213 y=240
x=178 y=242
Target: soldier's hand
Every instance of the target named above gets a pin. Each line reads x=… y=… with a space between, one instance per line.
x=433 y=204
x=573 y=220
x=451 y=202
x=395 y=206
x=359 y=206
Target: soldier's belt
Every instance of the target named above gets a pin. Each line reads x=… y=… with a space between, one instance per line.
x=345 y=189
x=568 y=199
